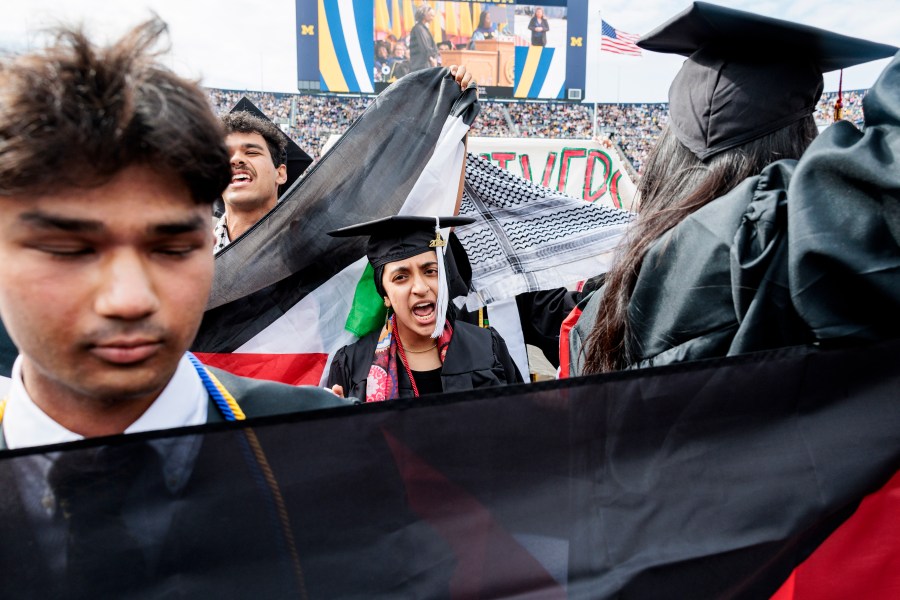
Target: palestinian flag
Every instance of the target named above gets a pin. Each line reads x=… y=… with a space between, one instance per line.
x=283 y=291
x=756 y=476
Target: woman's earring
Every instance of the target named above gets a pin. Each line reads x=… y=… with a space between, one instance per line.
x=387 y=316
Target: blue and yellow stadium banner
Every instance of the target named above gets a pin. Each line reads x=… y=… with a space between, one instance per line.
x=346 y=47
x=540 y=72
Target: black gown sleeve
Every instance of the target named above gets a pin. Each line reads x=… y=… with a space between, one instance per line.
x=541 y=315
x=844 y=223
x=339 y=374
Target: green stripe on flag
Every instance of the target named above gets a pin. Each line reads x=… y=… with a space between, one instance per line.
x=368 y=310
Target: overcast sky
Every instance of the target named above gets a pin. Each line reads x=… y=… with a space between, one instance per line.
x=242 y=45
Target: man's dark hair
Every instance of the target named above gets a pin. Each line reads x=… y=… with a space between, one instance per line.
x=244 y=122
x=76 y=114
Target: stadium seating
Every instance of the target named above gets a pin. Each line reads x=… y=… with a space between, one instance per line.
x=310 y=119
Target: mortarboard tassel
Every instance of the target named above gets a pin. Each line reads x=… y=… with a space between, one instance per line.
x=439 y=246
x=839 y=104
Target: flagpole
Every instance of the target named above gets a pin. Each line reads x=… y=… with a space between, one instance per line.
x=618 y=84
x=600 y=50
x=594 y=46
x=600 y=53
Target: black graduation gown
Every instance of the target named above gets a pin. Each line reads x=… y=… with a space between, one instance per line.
x=806 y=252
x=476 y=358
x=541 y=315
x=421 y=47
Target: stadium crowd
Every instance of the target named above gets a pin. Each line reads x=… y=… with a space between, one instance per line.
x=311 y=119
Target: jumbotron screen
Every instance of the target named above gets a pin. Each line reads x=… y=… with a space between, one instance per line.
x=529 y=49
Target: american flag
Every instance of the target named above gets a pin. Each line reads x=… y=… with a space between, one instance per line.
x=618 y=42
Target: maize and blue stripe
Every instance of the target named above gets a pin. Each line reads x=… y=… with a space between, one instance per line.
x=535 y=67
x=345 y=60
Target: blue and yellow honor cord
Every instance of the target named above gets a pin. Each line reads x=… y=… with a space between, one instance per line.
x=226 y=403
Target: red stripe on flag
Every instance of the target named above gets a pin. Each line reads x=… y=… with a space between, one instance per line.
x=564 y=332
x=861 y=559
x=614 y=46
x=295 y=369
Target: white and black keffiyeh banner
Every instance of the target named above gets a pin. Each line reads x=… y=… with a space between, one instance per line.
x=528 y=238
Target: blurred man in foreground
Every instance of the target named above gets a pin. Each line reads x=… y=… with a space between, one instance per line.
x=109 y=164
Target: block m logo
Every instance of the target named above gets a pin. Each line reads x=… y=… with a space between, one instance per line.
x=309 y=30
x=576 y=41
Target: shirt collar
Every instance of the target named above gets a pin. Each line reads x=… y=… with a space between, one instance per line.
x=183 y=402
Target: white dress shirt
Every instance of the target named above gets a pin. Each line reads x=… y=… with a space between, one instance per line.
x=183 y=402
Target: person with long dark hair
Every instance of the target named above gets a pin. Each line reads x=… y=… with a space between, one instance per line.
x=486 y=29
x=704 y=271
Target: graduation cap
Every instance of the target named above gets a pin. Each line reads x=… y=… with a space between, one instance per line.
x=296 y=159
x=747 y=75
x=400 y=237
